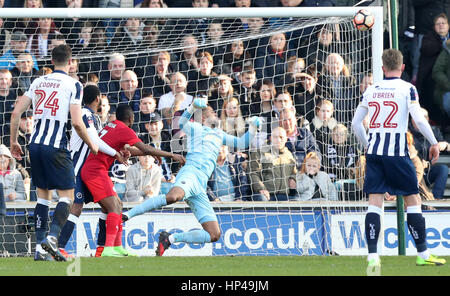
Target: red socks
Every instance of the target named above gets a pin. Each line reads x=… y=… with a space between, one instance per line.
x=118 y=240
x=113 y=230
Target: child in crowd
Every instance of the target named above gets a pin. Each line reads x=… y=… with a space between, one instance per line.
x=312 y=183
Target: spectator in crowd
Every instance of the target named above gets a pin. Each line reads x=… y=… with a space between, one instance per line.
x=159 y=138
x=283 y=101
x=23 y=23
x=38 y=40
x=187 y=61
x=83 y=43
x=432 y=45
x=271 y=60
x=420 y=165
x=255 y=26
x=300 y=141
x=128 y=36
x=246 y=86
x=267 y=94
x=143 y=180
x=366 y=81
x=214 y=37
x=425 y=12
x=44 y=71
x=198 y=26
x=235 y=58
x=92 y=78
x=241 y=23
x=103 y=111
x=272 y=169
x=147 y=107
x=202 y=80
x=441 y=78
x=18 y=45
x=435 y=175
x=323 y=42
x=24 y=165
x=150 y=34
x=153 y=4
x=220 y=92
x=295 y=69
x=340 y=158
x=177 y=99
x=55 y=39
x=323 y=124
x=229 y=181
x=338 y=86
x=93 y=63
x=99 y=39
x=304 y=93
x=71 y=27
x=157 y=77
x=5 y=38
x=10 y=177
x=74 y=72
x=231 y=118
x=109 y=80
x=129 y=93
x=8 y=97
x=23 y=73
x=312 y=182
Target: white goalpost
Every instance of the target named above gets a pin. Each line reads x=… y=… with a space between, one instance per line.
x=281 y=227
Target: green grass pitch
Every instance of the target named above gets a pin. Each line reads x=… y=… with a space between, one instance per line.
x=221 y=266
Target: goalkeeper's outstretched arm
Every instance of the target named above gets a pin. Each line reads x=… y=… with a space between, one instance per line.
x=244 y=141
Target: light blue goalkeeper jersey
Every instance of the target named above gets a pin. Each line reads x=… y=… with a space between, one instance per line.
x=203 y=144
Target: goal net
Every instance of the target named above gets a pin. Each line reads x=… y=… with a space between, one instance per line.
x=301 y=70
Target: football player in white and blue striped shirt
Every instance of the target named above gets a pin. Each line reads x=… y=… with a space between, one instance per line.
x=389 y=103
x=53 y=97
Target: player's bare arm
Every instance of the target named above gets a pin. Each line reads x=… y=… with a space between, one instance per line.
x=22 y=104
x=79 y=126
x=140 y=149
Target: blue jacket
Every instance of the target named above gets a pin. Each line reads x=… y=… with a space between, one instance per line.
x=8 y=61
x=239 y=179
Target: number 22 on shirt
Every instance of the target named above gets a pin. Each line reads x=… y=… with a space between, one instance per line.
x=383 y=109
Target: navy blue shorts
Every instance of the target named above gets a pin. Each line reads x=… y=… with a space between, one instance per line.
x=82 y=193
x=51 y=168
x=393 y=174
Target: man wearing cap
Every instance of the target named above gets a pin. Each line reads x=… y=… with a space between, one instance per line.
x=18 y=45
x=155 y=136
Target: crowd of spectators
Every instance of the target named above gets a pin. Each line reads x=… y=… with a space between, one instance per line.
x=305 y=83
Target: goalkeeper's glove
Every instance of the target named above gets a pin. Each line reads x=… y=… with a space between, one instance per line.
x=198 y=103
x=255 y=124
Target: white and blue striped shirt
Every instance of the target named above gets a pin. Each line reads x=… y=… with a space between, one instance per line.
x=79 y=150
x=389 y=103
x=52 y=95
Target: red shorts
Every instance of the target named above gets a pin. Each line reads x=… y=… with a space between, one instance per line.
x=99 y=183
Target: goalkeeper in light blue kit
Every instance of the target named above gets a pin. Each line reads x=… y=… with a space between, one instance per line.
x=204 y=142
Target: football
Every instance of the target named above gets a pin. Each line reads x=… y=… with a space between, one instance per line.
x=363 y=20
